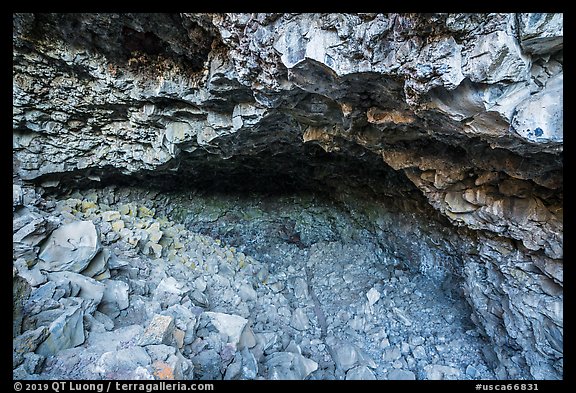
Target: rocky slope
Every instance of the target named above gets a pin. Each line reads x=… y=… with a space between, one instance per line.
x=448 y=125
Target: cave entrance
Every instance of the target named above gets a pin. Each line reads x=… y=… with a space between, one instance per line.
x=350 y=268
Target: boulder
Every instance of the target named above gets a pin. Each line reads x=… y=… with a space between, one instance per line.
x=231 y=325
x=70 y=247
x=159 y=331
x=67 y=331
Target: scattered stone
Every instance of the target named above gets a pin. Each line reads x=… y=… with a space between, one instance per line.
x=289 y=366
x=360 y=373
x=122 y=364
x=115 y=298
x=169 y=292
x=419 y=352
x=247 y=293
x=98 y=264
x=179 y=338
x=27 y=342
x=233 y=370
x=402 y=317
x=231 y=325
x=67 y=331
x=207 y=365
x=87 y=288
x=471 y=371
x=345 y=355
x=402 y=375
x=110 y=215
x=440 y=372
x=168 y=363
x=299 y=320
x=249 y=368
x=373 y=296
x=391 y=354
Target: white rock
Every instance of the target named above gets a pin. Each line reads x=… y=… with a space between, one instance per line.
x=169 y=292
x=16 y=195
x=231 y=325
x=299 y=320
x=373 y=296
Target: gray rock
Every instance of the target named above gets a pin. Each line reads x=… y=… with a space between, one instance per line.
x=89 y=289
x=169 y=292
x=168 y=363
x=17 y=195
x=373 y=296
x=539 y=118
x=471 y=371
x=159 y=331
x=360 y=373
x=440 y=372
x=247 y=293
x=247 y=338
x=230 y=325
x=70 y=247
x=41 y=299
x=299 y=320
x=67 y=331
x=34 y=276
x=391 y=354
x=27 y=342
x=419 y=352
x=207 y=365
x=29 y=230
x=98 y=264
x=402 y=316
x=249 y=368
x=33 y=363
x=402 y=375
x=20 y=293
x=458 y=104
x=289 y=366
x=541 y=33
x=416 y=340
x=121 y=363
x=115 y=298
x=345 y=355
x=110 y=341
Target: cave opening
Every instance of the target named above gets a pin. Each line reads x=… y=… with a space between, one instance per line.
x=287 y=196
x=339 y=254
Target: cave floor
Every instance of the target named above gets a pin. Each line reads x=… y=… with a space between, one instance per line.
x=322 y=299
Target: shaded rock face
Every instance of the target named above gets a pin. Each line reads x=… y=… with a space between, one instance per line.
x=453 y=119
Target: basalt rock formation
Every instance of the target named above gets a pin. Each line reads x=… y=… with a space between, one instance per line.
x=448 y=126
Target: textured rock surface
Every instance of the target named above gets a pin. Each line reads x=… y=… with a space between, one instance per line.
x=460 y=111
